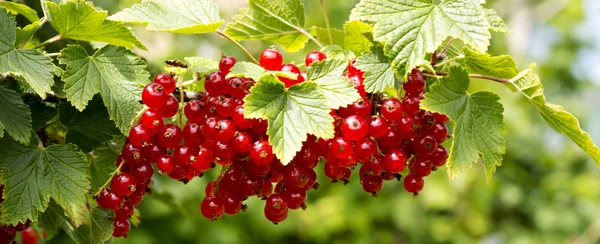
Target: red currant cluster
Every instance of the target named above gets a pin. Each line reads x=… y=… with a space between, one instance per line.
x=8 y=233
x=386 y=135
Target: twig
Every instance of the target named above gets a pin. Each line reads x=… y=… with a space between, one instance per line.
x=477 y=76
x=52 y=54
x=440 y=64
x=326 y=21
x=443 y=52
x=311 y=37
x=51 y=40
x=239 y=45
x=117 y=171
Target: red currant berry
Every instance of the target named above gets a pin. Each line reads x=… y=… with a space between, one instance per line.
x=394 y=161
x=139 y=135
x=231 y=204
x=391 y=109
x=361 y=108
x=238 y=118
x=341 y=147
x=422 y=167
x=357 y=81
x=225 y=130
x=165 y=163
x=271 y=59
x=413 y=183
x=439 y=157
x=170 y=136
x=126 y=211
x=121 y=227
x=415 y=83
x=333 y=170
x=275 y=218
x=314 y=56
x=192 y=133
x=166 y=81
x=195 y=111
x=204 y=160
x=183 y=155
x=355 y=128
x=372 y=184
x=170 y=107
x=410 y=105
x=131 y=154
x=142 y=172
x=153 y=95
x=374 y=166
x=242 y=142
x=296 y=176
x=440 y=132
x=440 y=118
x=276 y=205
x=425 y=145
x=295 y=198
x=110 y=199
x=353 y=70
x=261 y=152
x=365 y=149
x=214 y=82
x=292 y=69
x=123 y=184
x=427 y=120
x=226 y=63
x=152 y=119
x=378 y=126
x=209 y=128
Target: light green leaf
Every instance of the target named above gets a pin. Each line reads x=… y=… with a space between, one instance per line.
x=379 y=74
x=281 y=21
x=291 y=113
x=15 y=116
x=321 y=34
x=17 y=8
x=33 y=175
x=355 y=39
x=89 y=128
x=178 y=16
x=412 y=28
x=255 y=72
x=528 y=83
x=338 y=90
x=202 y=64
x=114 y=72
x=34 y=66
x=496 y=23
x=24 y=34
x=482 y=63
x=337 y=52
x=79 y=20
x=478 y=123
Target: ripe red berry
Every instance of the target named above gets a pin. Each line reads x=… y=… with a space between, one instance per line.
x=276 y=205
x=166 y=81
x=261 y=152
x=212 y=207
x=341 y=147
x=226 y=63
x=378 y=126
x=153 y=95
x=365 y=149
x=413 y=183
x=275 y=218
x=195 y=111
x=131 y=154
x=440 y=118
x=333 y=170
x=110 y=200
x=123 y=184
x=357 y=81
x=354 y=128
x=238 y=118
x=427 y=120
x=295 y=198
x=139 y=135
x=296 y=175
x=410 y=105
x=126 y=211
x=169 y=107
x=353 y=70
x=422 y=167
x=170 y=136
x=440 y=132
x=314 y=56
x=225 y=130
x=242 y=142
x=165 y=163
x=372 y=184
x=214 y=83
x=425 y=144
x=192 y=133
x=391 y=109
x=271 y=59
x=294 y=70
x=415 y=83
x=152 y=119
x=184 y=155
x=142 y=172
x=204 y=160
x=231 y=204
x=439 y=157
x=209 y=128
x=374 y=166
x=395 y=160
x=121 y=227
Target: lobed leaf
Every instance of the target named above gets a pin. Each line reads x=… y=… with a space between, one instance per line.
x=178 y=16
x=22 y=9
x=478 y=124
x=327 y=74
x=15 y=116
x=379 y=74
x=482 y=63
x=89 y=128
x=355 y=39
x=322 y=35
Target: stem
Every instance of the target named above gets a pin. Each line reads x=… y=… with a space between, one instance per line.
x=443 y=52
x=326 y=21
x=224 y=170
x=448 y=61
x=239 y=45
x=51 y=40
x=187 y=83
x=476 y=76
x=312 y=38
x=117 y=171
x=181 y=101
x=52 y=54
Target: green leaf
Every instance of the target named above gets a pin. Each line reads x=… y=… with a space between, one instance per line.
x=379 y=74
x=355 y=39
x=337 y=52
x=291 y=113
x=103 y=163
x=482 y=63
x=97 y=227
x=114 y=72
x=79 y=20
x=281 y=21
x=89 y=128
x=338 y=90
x=17 y=8
x=178 y=16
x=412 y=28
x=202 y=65
x=478 y=123
x=34 y=66
x=255 y=72
x=15 y=116
x=41 y=113
x=321 y=34
x=496 y=23
x=528 y=83
x=33 y=175
x=24 y=34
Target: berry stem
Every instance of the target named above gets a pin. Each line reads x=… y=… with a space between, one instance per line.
x=326 y=21
x=239 y=45
x=181 y=100
x=440 y=64
x=116 y=172
x=477 y=76
x=443 y=51
x=52 y=54
x=51 y=40
x=224 y=170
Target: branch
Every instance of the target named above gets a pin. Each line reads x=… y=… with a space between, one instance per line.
x=51 y=40
x=477 y=76
x=442 y=54
x=239 y=45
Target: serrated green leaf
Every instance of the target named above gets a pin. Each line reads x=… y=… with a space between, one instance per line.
x=478 y=123
x=255 y=72
x=178 y=16
x=15 y=116
x=496 y=23
x=355 y=39
x=33 y=65
x=97 y=227
x=337 y=52
x=410 y=28
x=103 y=163
x=379 y=74
x=528 y=83
x=21 y=9
x=482 y=63
x=41 y=114
x=291 y=113
x=89 y=128
x=24 y=34
x=79 y=20
x=114 y=72
x=338 y=90
x=322 y=35
x=280 y=21
x=202 y=64
x=33 y=175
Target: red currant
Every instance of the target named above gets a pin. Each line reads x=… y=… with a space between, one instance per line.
x=121 y=227
x=314 y=56
x=395 y=161
x=226 y=63
x=166 y=81
x=153 y=95
x=378 y=126
x=123 y=184
x=391 y=109
x=152 y=119
x=261 y=152
x=413 y=183
x=170 y=136
x=271 y=59
x=165 y=163
x=170 y=107
x=294 y=70
x=204 y=160
x=341 y=147
x=355 y=128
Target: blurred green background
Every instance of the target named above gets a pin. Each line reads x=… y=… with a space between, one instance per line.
x=546 y=191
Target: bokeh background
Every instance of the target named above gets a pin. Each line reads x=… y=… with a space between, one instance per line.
x=546 y=191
